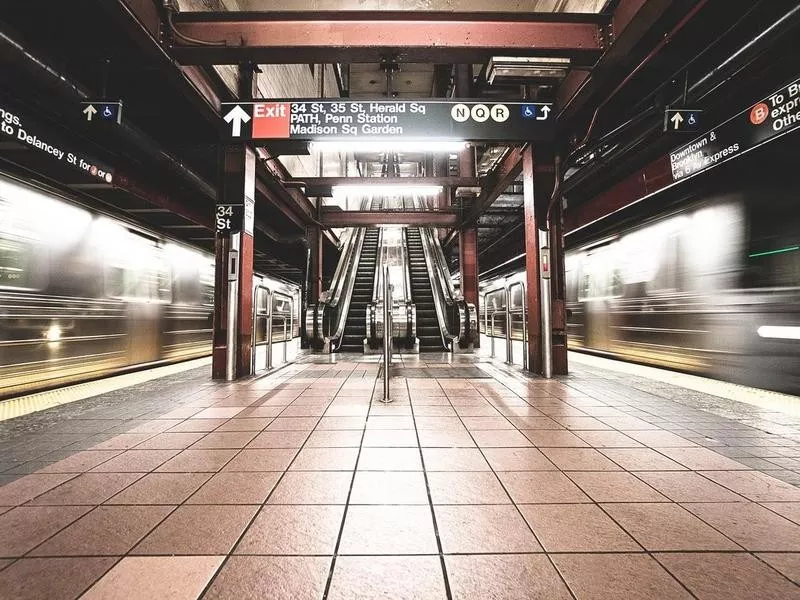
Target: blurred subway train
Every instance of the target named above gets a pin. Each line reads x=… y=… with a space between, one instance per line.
x=83 y=295
x=712 y=288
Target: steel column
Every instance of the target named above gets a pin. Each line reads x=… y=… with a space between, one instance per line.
x=315 y=243
x=532 y=280
x=558 y=290
x=468 y=264
x=233 y=304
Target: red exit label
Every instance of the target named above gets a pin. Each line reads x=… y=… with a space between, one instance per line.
x=271 y=119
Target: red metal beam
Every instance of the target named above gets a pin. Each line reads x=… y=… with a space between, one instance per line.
x=133 y=186
x=361 y=36
x=367 y=218
x=652 y=178
x=492 y=186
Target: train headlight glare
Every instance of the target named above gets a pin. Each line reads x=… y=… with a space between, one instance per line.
x=779 y=332
x=53 y=333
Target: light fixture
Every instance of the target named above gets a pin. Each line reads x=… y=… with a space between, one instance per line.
x=426 y=146
x=779 y=332
x=382 y=189
x=522 y=67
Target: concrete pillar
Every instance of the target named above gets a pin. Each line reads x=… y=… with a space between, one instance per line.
x=468 y=264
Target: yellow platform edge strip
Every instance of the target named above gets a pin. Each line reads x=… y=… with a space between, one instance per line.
x=17 y=407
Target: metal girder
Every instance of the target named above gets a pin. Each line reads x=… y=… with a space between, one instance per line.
x=369 y=36
x=368 y=218
x=163 y=202
x=493 y=185
x=321 y=186
x=652 y=178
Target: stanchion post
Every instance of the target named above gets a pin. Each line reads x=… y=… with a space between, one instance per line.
x=387 y=333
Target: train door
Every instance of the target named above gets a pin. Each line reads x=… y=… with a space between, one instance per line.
x=262 y=301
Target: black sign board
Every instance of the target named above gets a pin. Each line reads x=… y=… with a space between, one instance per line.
x=385 y=120
x=683 y=120
x=768 y=119
x=100 y=111
x=228 y=218
x=24 y=131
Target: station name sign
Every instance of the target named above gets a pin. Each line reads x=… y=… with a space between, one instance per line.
x=25 y=132
x=768 y=119
x=310 y=120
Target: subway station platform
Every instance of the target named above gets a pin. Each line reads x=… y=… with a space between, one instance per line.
x=477 y=482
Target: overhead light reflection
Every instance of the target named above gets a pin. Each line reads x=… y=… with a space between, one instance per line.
x=779 y=332
x=386 y=190
x=426 y=146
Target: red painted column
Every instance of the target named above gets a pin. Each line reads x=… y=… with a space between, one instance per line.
x=234 y=254
x=532 y=282
x=468 y=263
x=315 y=242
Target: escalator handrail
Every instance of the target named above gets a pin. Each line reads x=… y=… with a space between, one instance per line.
x=334 y=291
x=442 y=270
x=346 y=289
x=377 y=274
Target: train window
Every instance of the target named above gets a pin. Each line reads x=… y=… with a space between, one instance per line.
x=143 y=277
x=18 y=268
x=600 y=275
x=773 y=255
x=207 y=285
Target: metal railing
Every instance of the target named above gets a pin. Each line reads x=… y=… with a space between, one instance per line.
x=508 y=311
x=387 y=333
x=265 y=313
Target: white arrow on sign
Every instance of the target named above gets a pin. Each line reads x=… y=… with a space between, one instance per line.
x=237 y=116
x=545 y=112
x=90 y=111
x=677 y=119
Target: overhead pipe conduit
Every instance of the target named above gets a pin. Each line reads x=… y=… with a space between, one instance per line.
x=14 y=53
x=695 y=92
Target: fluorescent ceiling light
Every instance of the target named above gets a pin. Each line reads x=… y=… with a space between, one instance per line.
x=522 y=67
x=426 y=146
x=779 y=332
x=386 y=190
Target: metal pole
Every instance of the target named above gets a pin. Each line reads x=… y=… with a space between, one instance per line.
x=509 y=341
x=547 y=326
x=269 y=331
x=387 y=332
x=492 y=334
x=233 y=307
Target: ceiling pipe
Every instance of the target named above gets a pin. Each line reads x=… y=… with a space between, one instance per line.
x=13 y=52
x=709 y=83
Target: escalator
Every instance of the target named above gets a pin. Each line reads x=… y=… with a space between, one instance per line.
x=355 y=326
x=428 y=329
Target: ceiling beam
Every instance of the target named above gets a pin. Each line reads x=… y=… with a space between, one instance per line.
x=651 y=179
x=371 y=218
x=273 y=37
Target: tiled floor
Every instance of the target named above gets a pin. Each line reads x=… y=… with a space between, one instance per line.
x=302 y=485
